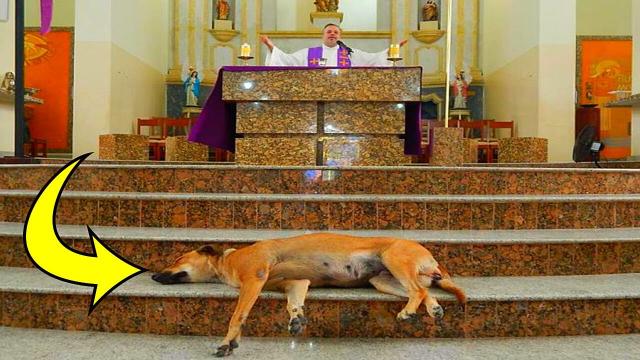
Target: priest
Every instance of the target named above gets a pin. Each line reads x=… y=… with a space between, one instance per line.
x=332 y=53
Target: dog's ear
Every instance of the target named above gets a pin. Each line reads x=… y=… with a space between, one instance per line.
x=208 y=250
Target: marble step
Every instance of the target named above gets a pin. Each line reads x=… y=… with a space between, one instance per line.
x=463 y=252
x=191 y=178
x=333 y=211
x=497 y=307
x=43 y=344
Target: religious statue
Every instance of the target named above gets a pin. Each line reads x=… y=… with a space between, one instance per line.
x=8 y=83
x=460 y=90
x=322 y=5
x=222 y=7
x=430 y=11
x=192 y=88
x=333 y=5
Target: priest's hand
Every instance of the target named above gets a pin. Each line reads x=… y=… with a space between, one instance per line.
x=265 y=40
x=403 y=42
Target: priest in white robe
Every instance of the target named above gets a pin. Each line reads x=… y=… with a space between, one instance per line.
x=332 y=53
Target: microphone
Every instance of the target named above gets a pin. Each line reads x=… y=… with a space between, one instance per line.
x=343 y=45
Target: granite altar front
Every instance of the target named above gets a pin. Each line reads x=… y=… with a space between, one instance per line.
x=330 y=117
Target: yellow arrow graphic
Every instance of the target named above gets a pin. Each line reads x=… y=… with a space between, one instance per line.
x=104 y=270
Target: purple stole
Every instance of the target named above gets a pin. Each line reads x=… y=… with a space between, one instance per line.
x=315 y=54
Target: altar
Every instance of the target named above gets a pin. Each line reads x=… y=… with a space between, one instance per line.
x=294 y=116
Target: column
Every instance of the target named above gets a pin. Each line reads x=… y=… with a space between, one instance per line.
x=635 y=86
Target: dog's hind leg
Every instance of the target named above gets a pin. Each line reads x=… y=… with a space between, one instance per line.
x=296 y=291
x=249 y=292
x=387 y=284
x=406 y=260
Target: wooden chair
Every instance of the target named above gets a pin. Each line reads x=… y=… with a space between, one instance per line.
x=490 y=143
x=492 y=125
x=156 y=139
x=468 y=125
x=35 y=148
x=178 y=126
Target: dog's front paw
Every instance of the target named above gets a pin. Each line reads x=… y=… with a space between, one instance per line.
x=224 y=350
x=436 y=311
x=297 y=325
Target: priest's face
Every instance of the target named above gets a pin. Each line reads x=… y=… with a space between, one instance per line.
x=331 y=35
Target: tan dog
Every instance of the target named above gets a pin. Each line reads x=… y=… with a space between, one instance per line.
x=394 y=266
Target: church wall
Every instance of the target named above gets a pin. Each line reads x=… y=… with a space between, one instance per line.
x=137 y=90
x=557 y=78
x=139 y=61
x=141 y=28
x=599 y=18
x=92 y=77
x=92 y=93
x=7 y=63
x=63 y=13
x=509 y=30
x=119 y=70
x=529 y=64
x=511 y=93
x=510 y=56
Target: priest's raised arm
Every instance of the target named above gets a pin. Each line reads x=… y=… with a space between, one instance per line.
x=332 y=53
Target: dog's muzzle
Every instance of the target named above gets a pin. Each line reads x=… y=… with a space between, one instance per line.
x=168 y=278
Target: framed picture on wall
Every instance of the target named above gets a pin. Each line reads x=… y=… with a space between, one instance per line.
x=4 y=10
x=603 y=68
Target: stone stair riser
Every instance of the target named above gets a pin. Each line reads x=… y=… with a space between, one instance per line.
x=209 y=316
x=340 y=215
x=309 y=181
x=459 y=259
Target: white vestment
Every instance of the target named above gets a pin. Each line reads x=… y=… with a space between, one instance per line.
x=278 y=57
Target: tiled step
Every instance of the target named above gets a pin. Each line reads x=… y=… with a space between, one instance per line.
x=183 y=178
x=498 y=307
x=55 y=344
x=464 y=253
x=334 y=212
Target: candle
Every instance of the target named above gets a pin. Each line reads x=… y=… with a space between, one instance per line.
x=245 y=50
x=394 y=51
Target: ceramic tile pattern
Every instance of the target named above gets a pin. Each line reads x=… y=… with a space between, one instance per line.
x=179 y=149
x=123 y=147
x=281 y=117
x=364 y=118
x=522 y=150
x=356 y=84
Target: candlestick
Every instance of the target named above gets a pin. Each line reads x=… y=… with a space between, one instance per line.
x=245 y=50
x=394 y=51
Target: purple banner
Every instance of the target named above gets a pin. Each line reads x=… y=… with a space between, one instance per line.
x=46 y=13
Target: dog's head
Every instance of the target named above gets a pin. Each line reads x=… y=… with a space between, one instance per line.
x=200 y=265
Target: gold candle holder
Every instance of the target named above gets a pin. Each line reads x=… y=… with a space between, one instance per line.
x=245 y=54
x=394 y=53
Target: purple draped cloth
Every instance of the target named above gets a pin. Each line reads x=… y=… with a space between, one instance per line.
x=46 y=13
x=216 y=125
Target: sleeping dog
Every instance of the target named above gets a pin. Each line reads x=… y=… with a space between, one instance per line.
x=393 y=266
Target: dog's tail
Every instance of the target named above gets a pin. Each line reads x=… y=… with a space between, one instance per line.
x=448 y=285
